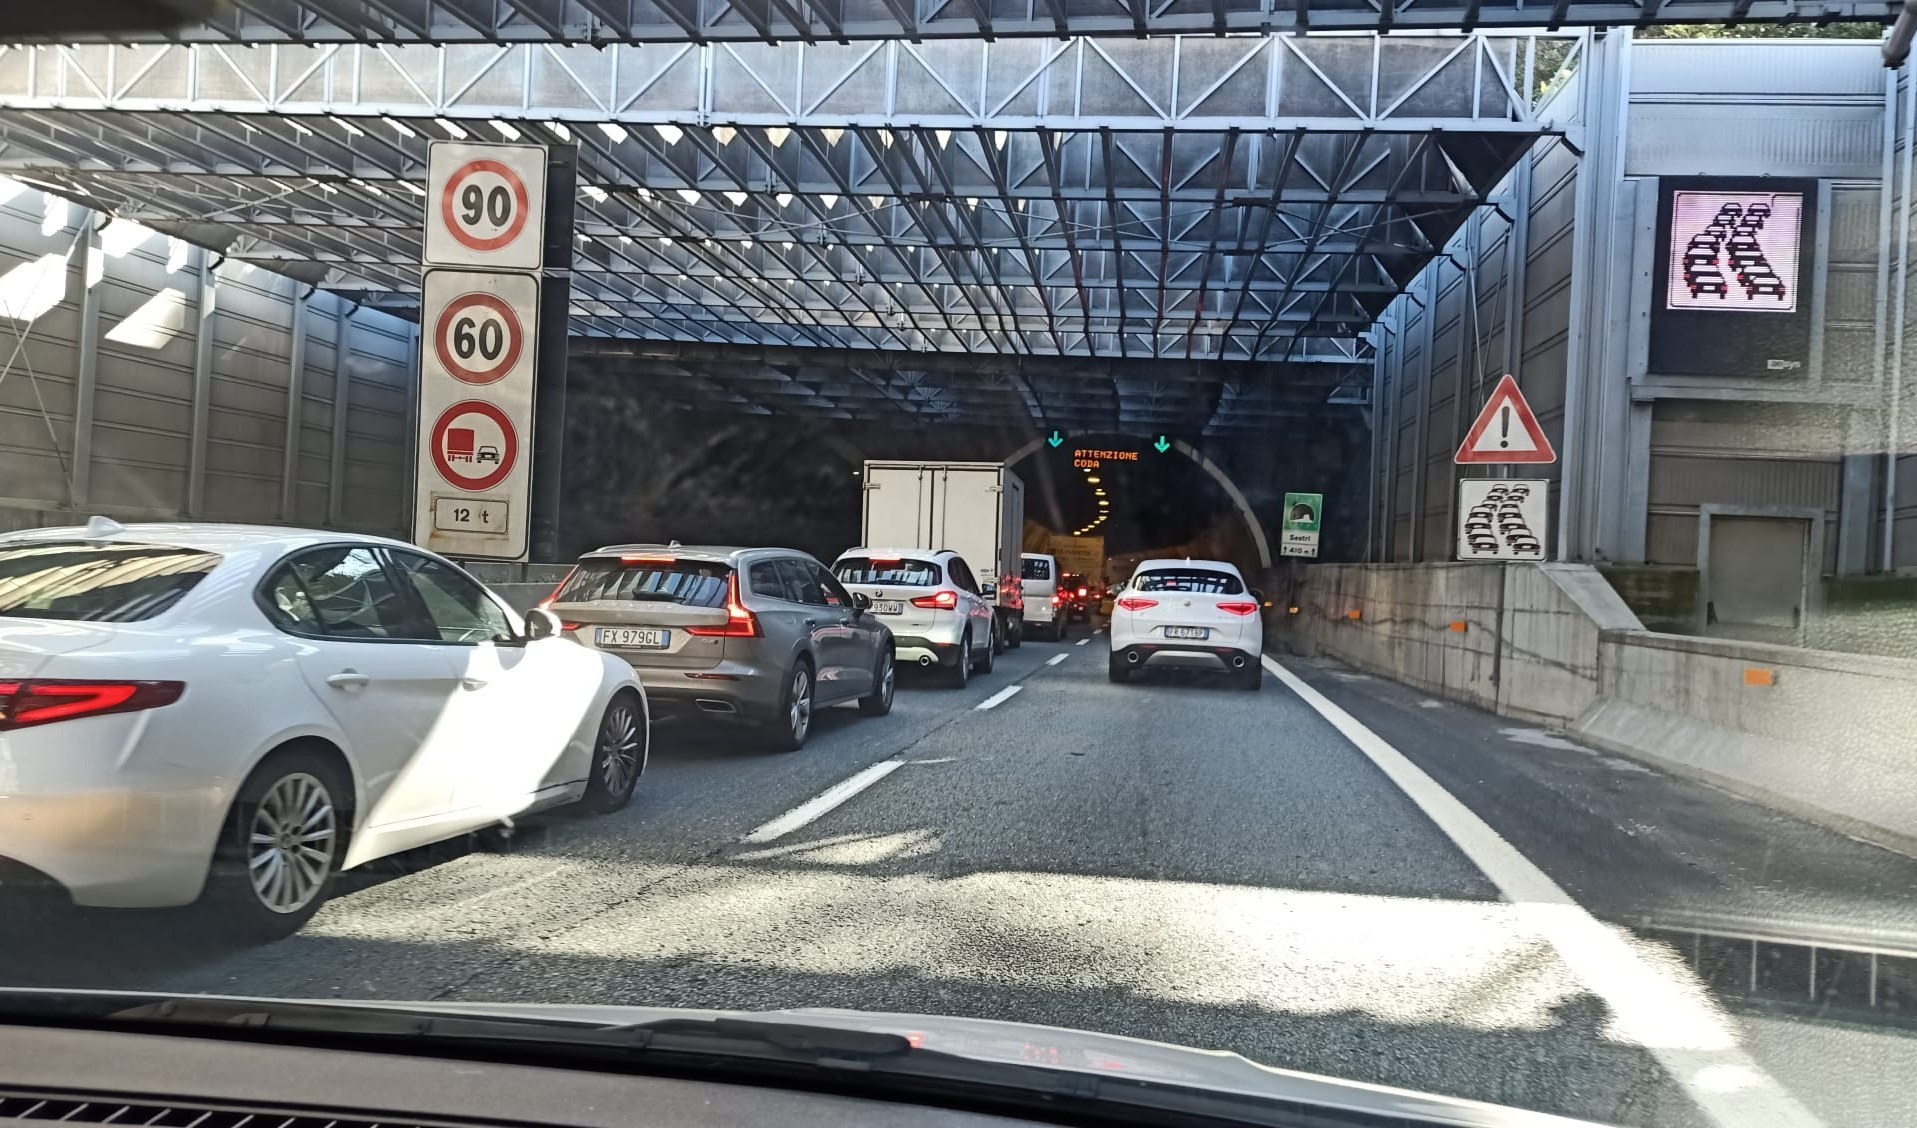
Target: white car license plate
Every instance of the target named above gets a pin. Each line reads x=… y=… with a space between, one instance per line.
x=633 y=638
x=888 y=607
x=1187 y=632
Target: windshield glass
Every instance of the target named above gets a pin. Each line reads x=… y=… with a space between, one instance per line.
x=693 y=583
x=898 y=573
x=97 y=583
x=1363 y=539
x=1198 y=580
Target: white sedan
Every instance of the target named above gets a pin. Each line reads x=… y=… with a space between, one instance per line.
x=1191 y=613
x=230 y=715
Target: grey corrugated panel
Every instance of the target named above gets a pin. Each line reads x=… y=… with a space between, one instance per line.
x=1847 y=354
x=1758 y=68
x=1690 y=480
x=1689 y=140
x=144 y=485
x=1742 y=429
x=1853 y=224
x=1671 y=538
x=243 y=498
x=1850 y=292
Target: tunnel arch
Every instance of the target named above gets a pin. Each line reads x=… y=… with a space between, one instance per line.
x=1217 y=473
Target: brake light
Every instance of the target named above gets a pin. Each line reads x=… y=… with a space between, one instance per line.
x=647 y=560
x=944 y=601
x=570 y=626
x=40 y=702
x=1057 y=599
x=1134 y=603
x=1238 y=608
x=559 y=587
x=740 y=621
x=884 y=559
x=1082 y=591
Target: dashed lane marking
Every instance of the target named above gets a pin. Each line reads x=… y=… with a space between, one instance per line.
x=822 y=803
x=1055 y=659
x=1081 y=642
x=999 y=698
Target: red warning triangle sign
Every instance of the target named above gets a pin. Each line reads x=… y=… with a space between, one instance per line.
x=1506 y=431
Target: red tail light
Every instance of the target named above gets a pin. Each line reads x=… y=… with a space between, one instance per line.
x=43 y=701
x=944 y=601
x=1057 y=599
x=1134 y=603
x=1083 y=591
x=558 y=587
x=570 y=626
x=740 y=621
x=1239 y=608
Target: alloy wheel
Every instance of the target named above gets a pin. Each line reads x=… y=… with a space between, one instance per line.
x=619 y=747
x=292 y=842
x=799 y=717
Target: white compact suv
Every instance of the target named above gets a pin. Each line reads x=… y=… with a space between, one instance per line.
x=932 y=602
x=1192 y=613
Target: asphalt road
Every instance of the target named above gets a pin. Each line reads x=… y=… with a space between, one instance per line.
x=1174 y=860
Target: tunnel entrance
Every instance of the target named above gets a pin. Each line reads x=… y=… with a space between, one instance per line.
x=1144 y=495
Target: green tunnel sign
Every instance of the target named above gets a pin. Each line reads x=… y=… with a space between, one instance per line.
x=1298 y=533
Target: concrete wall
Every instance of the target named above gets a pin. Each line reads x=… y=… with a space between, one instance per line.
x=1517 y=639
x=1823 y=735
x=143 y=379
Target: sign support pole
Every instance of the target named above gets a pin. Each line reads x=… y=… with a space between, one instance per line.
x=549 y=376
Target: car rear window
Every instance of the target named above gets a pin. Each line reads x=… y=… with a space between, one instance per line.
x=98 y=583
x=689 y=583
x=1202 y=581
x=883 y=570
x=1036 y=570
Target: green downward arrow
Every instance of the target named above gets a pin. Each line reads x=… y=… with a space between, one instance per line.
x=1055 y=439
x=1162 y=445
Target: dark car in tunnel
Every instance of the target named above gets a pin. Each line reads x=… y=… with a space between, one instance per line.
x=763 y=636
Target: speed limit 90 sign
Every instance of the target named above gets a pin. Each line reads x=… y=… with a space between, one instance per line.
x=485 y=205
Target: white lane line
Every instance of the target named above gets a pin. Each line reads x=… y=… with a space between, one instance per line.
x=1081 y=642
x=823 y=802
x=999 y=698
x=1655 y=1005
x=1055 y=659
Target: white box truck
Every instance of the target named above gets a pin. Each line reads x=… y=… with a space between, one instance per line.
x=976 y=509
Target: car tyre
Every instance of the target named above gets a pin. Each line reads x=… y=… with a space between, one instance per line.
x=1016 y=636
x=620 y=750
x=999 y=631
x=988 y=658
x=960 y=673
x=281 y=847
x=793 y=724
x=1118 y=670
x=885 y=681
x=1252 y=677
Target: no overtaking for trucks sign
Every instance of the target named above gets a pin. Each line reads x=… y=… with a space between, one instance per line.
x=478 y=347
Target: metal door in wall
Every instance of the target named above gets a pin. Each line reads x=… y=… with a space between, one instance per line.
x=1757 y=578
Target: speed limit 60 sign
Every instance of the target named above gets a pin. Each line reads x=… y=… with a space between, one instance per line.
x=478 y=344
x=485 y=205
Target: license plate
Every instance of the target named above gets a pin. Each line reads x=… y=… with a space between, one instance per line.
x=1187 y=632
x=633 y=638
x=888 y=607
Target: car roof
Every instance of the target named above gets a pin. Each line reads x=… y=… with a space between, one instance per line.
x=885 y=553
x=1220 y=565
x=206 y=536
x=722 y=553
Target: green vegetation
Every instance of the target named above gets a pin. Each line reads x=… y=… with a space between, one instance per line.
x=1764 y=31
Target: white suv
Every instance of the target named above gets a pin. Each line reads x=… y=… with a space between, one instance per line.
x=1193 y=613
x=931 y=601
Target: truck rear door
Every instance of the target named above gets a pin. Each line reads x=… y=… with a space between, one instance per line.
x=898 y=505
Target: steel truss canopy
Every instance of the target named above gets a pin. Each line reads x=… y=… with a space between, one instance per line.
x=1240 y=198
x=1228 y=400
x=843 y=21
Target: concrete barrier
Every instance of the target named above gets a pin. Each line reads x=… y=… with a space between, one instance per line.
x=1824 y=735
x=1516 y=639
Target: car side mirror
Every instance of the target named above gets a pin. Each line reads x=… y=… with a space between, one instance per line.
x=861 y=601
x=1257 y=595
x=541 y=623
